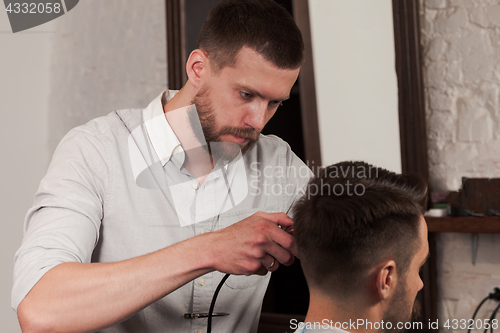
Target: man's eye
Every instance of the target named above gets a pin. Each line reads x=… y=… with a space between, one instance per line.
x=245 y=95
x=276 y=103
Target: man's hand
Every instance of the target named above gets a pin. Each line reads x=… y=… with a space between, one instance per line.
x=254 y=245
x=76 y=297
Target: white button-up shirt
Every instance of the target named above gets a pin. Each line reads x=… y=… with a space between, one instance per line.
x=112 y=193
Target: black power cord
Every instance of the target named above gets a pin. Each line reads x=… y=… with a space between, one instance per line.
x=493 y=315
x=494 y=295
x=214 y=298
x=477 y=309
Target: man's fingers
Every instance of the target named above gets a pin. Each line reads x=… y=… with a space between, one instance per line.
x=295 y=251
x=270 y=263
x=284 y=256
x=266 y=232
x=284 y=239
x=280 y=219
x=262 y=271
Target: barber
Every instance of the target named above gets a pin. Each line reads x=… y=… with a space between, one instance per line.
x=119 y=240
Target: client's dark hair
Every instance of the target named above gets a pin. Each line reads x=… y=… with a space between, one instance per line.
x=262 y=25
x=352 y=217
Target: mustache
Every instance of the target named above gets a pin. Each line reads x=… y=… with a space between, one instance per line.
x=245 y=133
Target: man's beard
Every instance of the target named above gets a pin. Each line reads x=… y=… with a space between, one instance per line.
x=217 y=148
x=399 y=308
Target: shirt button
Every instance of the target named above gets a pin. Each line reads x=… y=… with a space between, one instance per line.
x=202 y=231
x=195 y=185
x=200 y=331
x=202 y=282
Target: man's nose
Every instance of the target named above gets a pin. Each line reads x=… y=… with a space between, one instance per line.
x=257 y=116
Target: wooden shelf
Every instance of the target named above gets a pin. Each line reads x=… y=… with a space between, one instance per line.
x=470 y=224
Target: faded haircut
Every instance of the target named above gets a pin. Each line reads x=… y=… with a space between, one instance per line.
x=341 y=235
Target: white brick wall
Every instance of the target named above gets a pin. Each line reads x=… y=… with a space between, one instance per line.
x=461 y=41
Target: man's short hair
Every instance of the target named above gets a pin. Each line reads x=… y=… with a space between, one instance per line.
x=352 y=217
x=262 y=25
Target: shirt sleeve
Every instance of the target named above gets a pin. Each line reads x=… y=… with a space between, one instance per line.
x=63 y=224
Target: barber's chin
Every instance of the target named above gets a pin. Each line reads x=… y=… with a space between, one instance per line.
x=224 y=151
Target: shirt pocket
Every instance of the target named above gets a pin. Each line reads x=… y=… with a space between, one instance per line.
x=242 y=281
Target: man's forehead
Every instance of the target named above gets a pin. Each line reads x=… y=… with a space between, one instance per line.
x=248 y=56
x=241 y=57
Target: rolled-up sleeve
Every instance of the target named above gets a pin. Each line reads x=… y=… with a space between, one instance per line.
x=63 y=224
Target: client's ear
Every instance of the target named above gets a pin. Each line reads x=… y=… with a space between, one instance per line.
x=386 y=279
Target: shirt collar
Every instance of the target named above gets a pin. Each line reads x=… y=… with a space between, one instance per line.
x=160 y=132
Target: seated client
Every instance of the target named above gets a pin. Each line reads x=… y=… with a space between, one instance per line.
x=362 y=239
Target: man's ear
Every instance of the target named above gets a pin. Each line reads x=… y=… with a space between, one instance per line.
x=386 y=279
x=197 y=67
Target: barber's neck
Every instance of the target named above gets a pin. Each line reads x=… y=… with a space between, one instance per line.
x=197 y=159
x=182 y=98
x=323 y=308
